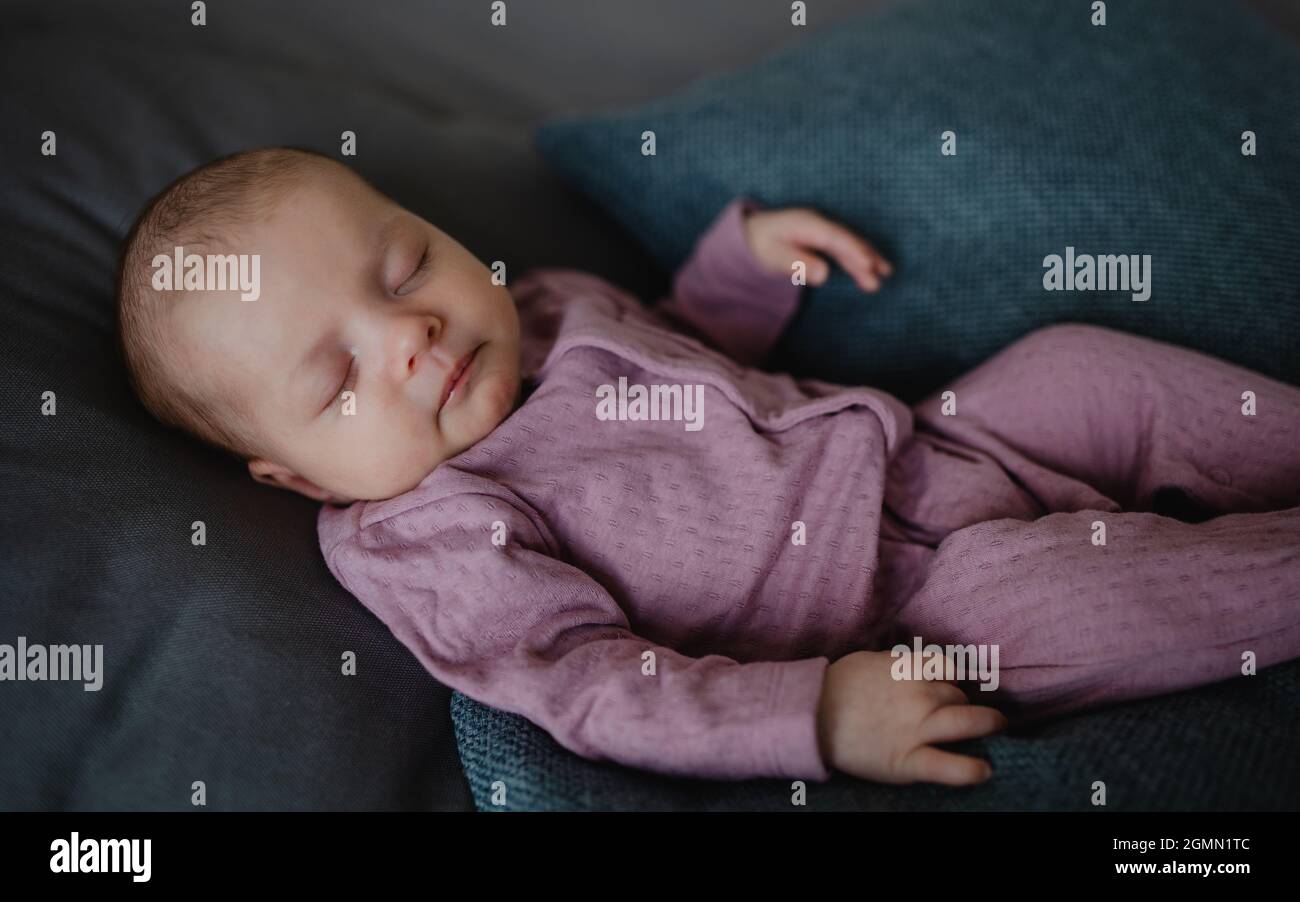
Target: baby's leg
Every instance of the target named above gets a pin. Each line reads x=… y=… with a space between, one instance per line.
x=1161 y=606
x=1130 y=417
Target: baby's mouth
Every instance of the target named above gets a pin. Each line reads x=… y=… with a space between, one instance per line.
x=457 y=377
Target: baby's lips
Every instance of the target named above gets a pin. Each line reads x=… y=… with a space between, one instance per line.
x=461 y=366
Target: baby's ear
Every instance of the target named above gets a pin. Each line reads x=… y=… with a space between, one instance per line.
x=282 y=477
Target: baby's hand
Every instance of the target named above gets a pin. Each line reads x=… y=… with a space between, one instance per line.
x=873 y=726
x=780 y=237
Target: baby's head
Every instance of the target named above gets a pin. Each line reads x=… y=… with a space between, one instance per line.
x=332 y=381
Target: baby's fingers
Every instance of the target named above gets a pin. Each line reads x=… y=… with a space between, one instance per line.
x=816 y=268
x=953 y=723
x=926 y=764
x=858 y=258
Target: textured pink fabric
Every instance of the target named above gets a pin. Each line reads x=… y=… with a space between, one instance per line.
x=1074 y=425
x=634 y=537
x=631 y=537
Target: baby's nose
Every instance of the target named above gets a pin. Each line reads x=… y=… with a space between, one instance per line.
x=429 y=345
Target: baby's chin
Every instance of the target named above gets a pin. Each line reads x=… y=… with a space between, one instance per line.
x=487 y=403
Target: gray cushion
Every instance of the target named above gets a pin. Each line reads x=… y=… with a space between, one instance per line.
x=223 y=661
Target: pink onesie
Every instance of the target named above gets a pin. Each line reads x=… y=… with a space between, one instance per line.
x=667 y=593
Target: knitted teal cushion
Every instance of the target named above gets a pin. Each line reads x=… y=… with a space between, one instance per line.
x=1123 y=138
x=1230 y=746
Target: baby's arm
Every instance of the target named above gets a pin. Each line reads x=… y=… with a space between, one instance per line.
x=474 y=585
x=514 y=626
x=737 y=290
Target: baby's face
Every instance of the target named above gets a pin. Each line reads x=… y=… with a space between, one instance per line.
x=361 y=296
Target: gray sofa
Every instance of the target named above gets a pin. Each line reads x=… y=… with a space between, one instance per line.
x=222 y=662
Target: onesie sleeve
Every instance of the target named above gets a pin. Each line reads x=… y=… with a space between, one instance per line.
x=474 y=587
x=723 y=293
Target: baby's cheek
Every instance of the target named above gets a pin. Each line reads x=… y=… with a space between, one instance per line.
x=398 y=469
x=369 y=458
x=496 y=402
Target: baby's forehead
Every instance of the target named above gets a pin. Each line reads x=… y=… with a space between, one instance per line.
x=322 y=224
x=330 y=188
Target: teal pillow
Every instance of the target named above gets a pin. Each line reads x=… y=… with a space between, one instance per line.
x=1230 y=746
x=1122 y=138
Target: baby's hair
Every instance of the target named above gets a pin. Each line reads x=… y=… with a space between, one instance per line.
x=197 y=209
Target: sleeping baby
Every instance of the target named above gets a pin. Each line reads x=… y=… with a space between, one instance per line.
x=509 y=480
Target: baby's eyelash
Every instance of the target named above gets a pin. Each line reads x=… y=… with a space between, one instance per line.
x=348 y=381
x=425 y=260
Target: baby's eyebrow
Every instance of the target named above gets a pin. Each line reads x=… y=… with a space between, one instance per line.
x=386 y=231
